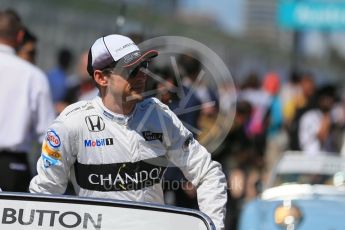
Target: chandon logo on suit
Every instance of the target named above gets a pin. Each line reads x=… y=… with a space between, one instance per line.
x=94 y=123
x=123 y=176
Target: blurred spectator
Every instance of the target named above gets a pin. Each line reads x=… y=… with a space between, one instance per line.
x=271 y=85
x=226 y=98
x=276 y=137
x=195 y=84
x=25 y=105
x=58 y=78
x=28 y=47
x=260 y=101
x=80 y=85
x=237 y=158
x=338 y=126
x=184 y=103
x=316 y=125
x=305 y=102
x=238 y=147
x=166 y=91
x=289 y=95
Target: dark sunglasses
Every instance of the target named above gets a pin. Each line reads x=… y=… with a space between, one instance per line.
x=132 y=73
x=127 y=73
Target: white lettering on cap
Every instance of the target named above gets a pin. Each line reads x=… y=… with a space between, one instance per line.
x=119 y=46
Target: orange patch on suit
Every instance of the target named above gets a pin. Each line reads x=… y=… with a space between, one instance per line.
x=47 y=150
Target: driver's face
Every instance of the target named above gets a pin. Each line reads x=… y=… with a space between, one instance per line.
x=130 y=89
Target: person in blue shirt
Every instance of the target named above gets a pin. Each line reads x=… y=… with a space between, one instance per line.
x=57 y=78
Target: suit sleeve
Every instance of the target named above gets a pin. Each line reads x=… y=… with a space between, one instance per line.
x=198 y=167
x=57 y=158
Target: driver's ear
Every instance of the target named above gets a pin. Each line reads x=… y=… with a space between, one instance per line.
x=100 y=78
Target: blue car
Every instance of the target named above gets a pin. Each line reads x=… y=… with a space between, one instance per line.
x=304 y=193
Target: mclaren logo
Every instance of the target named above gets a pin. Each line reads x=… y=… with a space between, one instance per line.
x=94 y=123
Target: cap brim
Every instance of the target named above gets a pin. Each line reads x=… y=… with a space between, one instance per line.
x=147 y=55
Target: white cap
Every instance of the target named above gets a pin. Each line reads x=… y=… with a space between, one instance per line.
x=115 y=48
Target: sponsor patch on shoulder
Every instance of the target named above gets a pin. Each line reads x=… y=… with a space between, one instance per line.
x=49 y=161
x=47 y=150
x=53 y=139
x=189 y=140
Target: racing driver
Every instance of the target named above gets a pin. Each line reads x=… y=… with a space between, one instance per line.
x=119 y=144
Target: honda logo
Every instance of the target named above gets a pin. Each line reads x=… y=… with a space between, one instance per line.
x=94 y=123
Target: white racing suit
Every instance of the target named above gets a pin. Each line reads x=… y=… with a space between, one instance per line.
x=114 y=156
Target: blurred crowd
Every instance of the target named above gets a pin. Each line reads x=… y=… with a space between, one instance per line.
x=271 y=116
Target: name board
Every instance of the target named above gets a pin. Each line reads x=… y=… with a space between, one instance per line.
x=59 y=213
